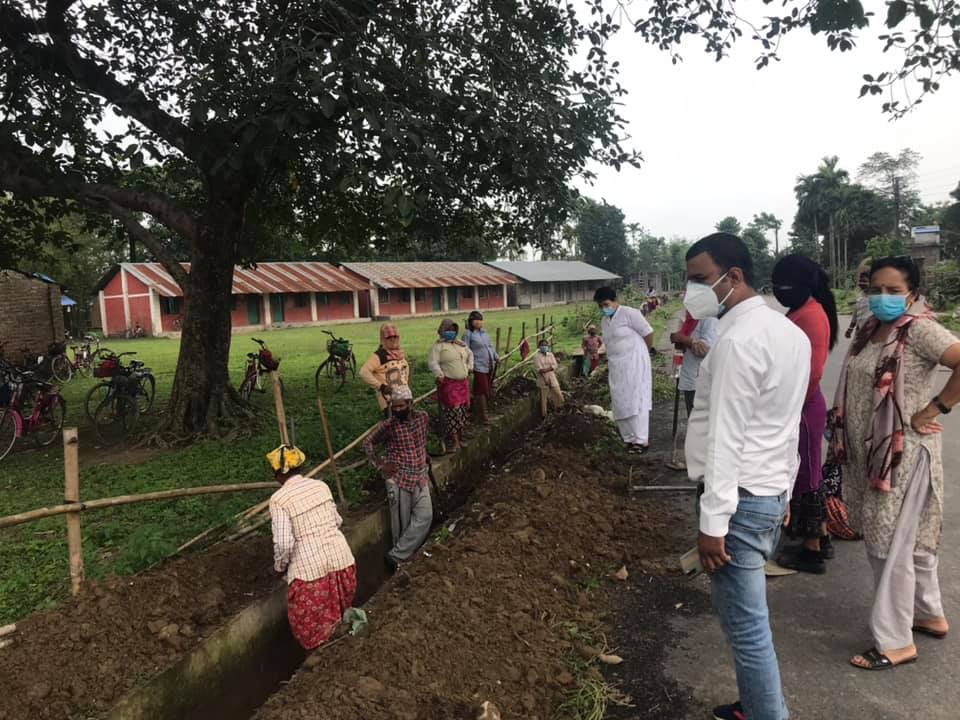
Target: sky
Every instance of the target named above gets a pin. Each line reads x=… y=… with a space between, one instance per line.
x=724 y=139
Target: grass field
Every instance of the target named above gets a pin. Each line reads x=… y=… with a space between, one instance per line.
x=33 y=557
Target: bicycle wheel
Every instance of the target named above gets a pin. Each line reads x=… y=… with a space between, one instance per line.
x=333 y=367
x=342 y=369
x=115 y=419
x=316 y=377
x=60 y=369
x=8 y=432
x=246 y=387
x=146 y=392
x=353 y=365
x=52 y=413
x=97 y=395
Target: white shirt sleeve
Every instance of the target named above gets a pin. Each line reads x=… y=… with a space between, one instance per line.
x=469 y=359
x=433 y=360
x=734 y=393
x=638 y=323
x=283 y=540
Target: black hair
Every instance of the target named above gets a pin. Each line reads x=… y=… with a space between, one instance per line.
x=454 y=327
x=800 y=270
x=911 y=273
x=604 y=293
x=727 y=251
x=475 y=315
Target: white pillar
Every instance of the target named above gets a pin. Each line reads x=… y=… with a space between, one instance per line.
x=266 y=310
x=155 y=323
x=374 y=301
x=413 y=301
x=446 y=299
x=356 y=304
x=476 y=297
x=103 y=314
x=126 y=299
x=313 y=307
x=504 y=286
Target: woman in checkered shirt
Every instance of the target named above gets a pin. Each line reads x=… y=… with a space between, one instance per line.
x=309 y=547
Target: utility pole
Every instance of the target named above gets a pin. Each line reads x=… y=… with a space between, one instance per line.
x=896 y=206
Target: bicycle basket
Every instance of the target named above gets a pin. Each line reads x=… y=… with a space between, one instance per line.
x=268 y=361
x=106 y=368
x=57 y=348
x=339 y=347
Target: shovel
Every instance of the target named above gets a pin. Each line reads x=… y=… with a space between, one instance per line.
x=676 y=463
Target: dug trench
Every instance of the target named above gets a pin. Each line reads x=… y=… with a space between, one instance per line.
x=509 y=602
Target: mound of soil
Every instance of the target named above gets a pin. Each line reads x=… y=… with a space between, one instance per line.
x=496 y=610
x=82 y=656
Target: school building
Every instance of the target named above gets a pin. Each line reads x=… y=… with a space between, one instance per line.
x=271 y=294
x=553 y=282
x=404 y=289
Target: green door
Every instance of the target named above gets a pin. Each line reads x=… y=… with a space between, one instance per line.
x=253 y=309
x=437 y=299
x=453 y=298
x=276 y=307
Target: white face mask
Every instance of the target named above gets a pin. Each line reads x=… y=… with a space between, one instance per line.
x=701 y=301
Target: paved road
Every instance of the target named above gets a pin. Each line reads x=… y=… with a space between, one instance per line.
x=820 y=622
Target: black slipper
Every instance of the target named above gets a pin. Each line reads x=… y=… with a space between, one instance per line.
x=930 y=632
x=879 y=661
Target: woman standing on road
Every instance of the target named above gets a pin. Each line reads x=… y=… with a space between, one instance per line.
x=485 y=360
x=387 y=367
x=802 y=286
x=309 y=547
x=628 y=337
x=451 y=362
x=885 y=430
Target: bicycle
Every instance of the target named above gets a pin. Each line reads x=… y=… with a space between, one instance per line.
x=111 y=366
x=45 y=418
x=339 y=363
x=258 y=363
x=53 y=365
x=117 y=416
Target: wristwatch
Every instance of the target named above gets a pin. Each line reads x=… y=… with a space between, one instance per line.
x=944 y=409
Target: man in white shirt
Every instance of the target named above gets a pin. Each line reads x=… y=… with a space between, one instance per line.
x=742 y=445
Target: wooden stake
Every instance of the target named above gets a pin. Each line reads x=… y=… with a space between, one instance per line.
x=507 y=346
x=523 y=330
x=8 y=629
x=543 y=402
x=332 y=458
x=71 y=494
x=278 y=402
x=497 y=347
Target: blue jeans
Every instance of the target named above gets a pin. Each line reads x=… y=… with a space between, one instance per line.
x=740 y=599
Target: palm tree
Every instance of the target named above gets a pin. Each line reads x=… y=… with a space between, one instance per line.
x=820 y=196
x=769 y=221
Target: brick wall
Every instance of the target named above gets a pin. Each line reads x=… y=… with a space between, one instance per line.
x=30 y=314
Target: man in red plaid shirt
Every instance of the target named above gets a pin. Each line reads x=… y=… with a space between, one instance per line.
x=404 y=434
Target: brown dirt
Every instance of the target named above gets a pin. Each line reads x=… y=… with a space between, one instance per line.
x=82 y=656
x=488 y=614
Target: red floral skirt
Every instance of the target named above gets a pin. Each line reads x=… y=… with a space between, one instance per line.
x=315 y=607
x=482 y=384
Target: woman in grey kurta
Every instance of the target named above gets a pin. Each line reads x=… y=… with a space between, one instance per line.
x=887 y=435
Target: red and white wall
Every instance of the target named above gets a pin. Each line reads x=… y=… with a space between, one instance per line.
x=408 y=302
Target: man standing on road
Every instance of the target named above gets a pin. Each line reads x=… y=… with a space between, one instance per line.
x=742 y=446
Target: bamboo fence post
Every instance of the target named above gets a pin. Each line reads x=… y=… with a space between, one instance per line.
x=543 y=321
x=523 y=329
x=506 y=347
x=330 y=454
x=497 y=347
x=536 y=325
x=71 y=494
x=278 y=402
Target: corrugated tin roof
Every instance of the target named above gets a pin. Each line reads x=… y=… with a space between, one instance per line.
x=429 y=274
x=553 y=270
x=269 y=277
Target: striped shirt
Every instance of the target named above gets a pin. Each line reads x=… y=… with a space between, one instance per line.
x=307 y=542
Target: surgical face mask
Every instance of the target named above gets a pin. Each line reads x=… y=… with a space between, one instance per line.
x=701 y=301
x=608 y=311
x=791 y=296
x=544 y=349
x=449 y=335
x=887 y=308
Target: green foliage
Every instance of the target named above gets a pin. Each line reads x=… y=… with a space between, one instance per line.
x=884 y=246
x=943 y=284
x=144 y=547
x=602 y=237
x=729 y=225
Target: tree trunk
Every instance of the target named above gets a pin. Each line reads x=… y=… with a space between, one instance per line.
x=202 y=398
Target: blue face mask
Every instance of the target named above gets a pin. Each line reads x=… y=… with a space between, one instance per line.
x=544 y=349
x=608 y=311
x=887 y=308
x=449 y=335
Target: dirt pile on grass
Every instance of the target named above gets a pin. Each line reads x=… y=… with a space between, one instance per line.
x=82 y=656
x=507 y=605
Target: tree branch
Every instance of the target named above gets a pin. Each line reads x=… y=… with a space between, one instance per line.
x=62 y=58
x=152 y=243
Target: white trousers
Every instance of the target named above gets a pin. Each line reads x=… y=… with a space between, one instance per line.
x=635 y=429
x=907 y=586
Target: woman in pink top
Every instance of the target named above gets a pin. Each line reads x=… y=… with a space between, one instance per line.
x=803 y=287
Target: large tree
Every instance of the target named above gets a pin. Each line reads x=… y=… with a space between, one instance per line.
x=894 y=177
x=602 y=237
x=352 y=123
